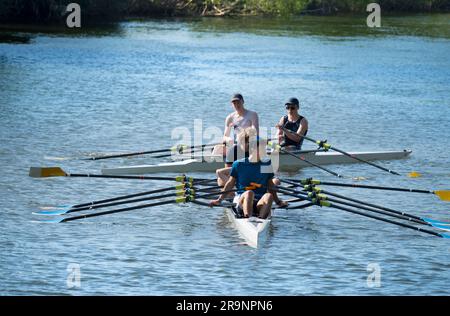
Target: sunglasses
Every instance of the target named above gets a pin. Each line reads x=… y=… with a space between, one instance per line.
x=290 y=107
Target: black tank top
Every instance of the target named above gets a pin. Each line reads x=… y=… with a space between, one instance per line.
x=293 y=126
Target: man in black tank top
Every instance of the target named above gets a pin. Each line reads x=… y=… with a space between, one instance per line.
x=292 y=126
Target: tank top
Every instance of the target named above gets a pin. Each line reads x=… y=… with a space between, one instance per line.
x=293 y=126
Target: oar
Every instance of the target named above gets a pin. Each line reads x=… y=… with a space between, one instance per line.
x=192 y=151
x=45 y=172
x=442 y=194
x=178 y=148
x=118 y=198
x=126 y=209
x=180 y=191
x=183 y=199
x=326 y=146
x=421 y=220
x=324 y=203
x=364 y=206
x=302 y=158
x=63 y=211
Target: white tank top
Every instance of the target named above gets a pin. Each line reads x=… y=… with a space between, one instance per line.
x=249 y=119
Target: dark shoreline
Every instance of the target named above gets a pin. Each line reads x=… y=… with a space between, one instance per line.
x=43 y=12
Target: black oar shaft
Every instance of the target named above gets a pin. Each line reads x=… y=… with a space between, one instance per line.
x=126 y=201
x=126 y=209
x=352 y=156
x=419 y=219
x=148 y=152
x=365 y=161
x=333 y=205
x=362 y=186
x=365 y=203
x=371 y=209
x=88 y=175
x=123 y=200
x=302 y=158
x=123 y=197
x=427 y=231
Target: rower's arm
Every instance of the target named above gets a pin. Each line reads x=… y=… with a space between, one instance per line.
x=271 y=188
x=296 y=137
x=256 y=123
x=228 y=186
x=280 y=132
x=227 y=130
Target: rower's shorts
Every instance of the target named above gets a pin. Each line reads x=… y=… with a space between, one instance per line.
x=255 y=211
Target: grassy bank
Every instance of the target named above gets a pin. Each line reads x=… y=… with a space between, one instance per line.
x=45 y=11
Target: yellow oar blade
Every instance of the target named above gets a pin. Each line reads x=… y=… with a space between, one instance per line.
x=38 y=172
x=414 y=174
x=443 y=195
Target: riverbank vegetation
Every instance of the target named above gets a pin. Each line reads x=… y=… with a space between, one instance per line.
x=43 y=11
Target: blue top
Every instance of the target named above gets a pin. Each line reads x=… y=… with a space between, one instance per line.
x=246 y=172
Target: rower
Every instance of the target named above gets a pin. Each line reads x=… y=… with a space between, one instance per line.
x=252 y=169
x=240 y=119
x=292 y=126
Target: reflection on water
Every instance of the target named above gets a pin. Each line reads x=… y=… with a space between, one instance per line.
x=437 y=25
x=424 y=25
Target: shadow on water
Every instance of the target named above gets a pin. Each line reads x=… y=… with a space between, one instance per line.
x=24 y=33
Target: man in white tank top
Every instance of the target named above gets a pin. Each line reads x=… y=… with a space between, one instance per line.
x=240 y=119
x=237 y=121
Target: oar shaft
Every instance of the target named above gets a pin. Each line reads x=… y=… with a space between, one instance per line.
x=190 y=151
x=352 y=156
x=88 y=175
x=126 y=209
x=302 y=158
x=146 y=152
x=126 y=201
x=333 y=205
x=419 y=219
x=371 y=209
x=427 y=231
x=123 y=197
x=365 y=203
x=362 y=186
x=365 y=161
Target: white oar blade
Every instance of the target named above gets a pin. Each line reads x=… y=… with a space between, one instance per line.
x=52 y=213
x=433 y=221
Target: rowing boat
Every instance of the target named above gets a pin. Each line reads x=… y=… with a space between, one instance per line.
x=253 y=230
x=286 y=162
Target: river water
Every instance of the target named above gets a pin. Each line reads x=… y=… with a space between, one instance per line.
x=126 y=87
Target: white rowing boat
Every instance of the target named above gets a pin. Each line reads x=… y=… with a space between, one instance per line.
x=253 y=230
x=285 y=162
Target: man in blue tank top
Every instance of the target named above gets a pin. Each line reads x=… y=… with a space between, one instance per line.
x=248 y=171
x=292 y=126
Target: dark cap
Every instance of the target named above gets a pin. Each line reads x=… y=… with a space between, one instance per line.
x=237 y=97
x=292 y=101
